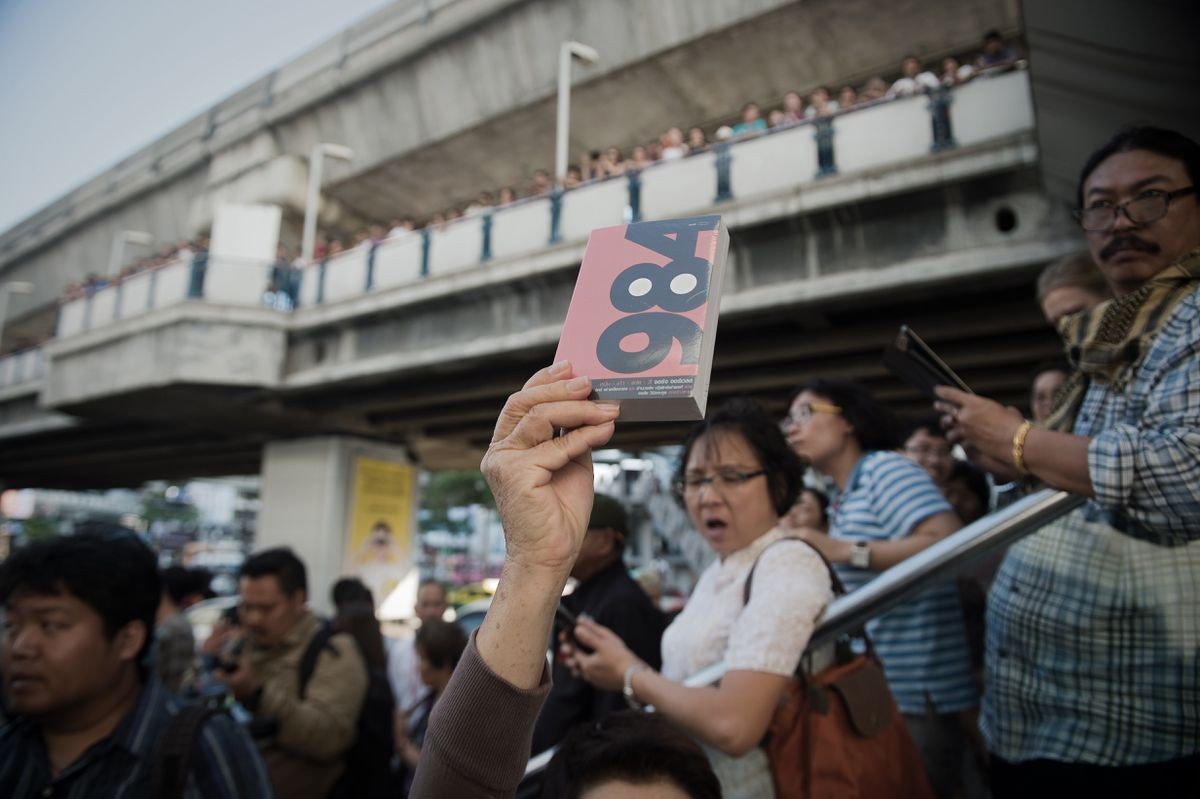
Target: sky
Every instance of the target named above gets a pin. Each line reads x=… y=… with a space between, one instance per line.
x=84 y=83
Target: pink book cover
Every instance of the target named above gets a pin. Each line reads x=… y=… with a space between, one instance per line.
x=643 y=317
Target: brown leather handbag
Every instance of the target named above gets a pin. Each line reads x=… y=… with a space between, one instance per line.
x=838 y=734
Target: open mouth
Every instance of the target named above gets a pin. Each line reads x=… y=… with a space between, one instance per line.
x=715 y=525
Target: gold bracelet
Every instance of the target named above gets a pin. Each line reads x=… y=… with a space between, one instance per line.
x=1018 y=446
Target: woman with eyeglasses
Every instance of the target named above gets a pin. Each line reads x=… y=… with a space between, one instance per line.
x=887 y=509
x=736 y=478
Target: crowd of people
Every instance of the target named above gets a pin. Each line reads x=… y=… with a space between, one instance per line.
x=793 y=108
x=1068 y=664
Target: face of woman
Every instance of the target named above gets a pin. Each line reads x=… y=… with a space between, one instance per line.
x=806 y=512
x=726 y=493
x=817 y=432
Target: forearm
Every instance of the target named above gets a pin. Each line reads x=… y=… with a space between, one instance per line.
x=512 y=639
x=1059 y=459
x=886 y=554
x=715 y=715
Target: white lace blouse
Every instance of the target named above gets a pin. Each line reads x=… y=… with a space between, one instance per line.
x=791 y=586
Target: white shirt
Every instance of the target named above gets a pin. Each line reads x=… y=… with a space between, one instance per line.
x=404 y=673
x=791 y=587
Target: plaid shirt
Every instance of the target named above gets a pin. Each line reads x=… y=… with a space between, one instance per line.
x=1093 y=642
x=226 y=764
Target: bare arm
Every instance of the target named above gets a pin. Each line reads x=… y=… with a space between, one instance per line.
x=886 y=554
x=732 y=716
x=986 y=429
x=543 y=489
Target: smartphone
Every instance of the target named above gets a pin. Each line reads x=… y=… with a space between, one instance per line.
x=564 y=622
x=228 y=660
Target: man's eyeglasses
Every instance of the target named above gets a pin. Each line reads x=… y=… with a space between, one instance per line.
x=1143 y=209
x=803 y=414
x=726 y=478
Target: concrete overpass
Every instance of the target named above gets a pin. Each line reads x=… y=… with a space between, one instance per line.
x=417 y=342
x=442 y=98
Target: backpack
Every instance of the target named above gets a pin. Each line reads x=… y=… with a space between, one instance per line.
x=368 y=772
x=173 y=755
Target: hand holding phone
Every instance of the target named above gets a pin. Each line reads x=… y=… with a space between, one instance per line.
x=564 y=624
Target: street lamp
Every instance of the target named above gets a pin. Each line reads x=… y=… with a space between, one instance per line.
x=117 y=254
x=589 y=56
x=315 y=162
x=15 y=287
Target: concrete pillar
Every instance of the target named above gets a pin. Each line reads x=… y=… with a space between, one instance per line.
x=311 y=503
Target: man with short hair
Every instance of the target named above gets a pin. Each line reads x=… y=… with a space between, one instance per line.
x=925 y=444
x=87 y=720
x=607 y=594
x=404 y=667
x=304 y=731
x=1093 y=674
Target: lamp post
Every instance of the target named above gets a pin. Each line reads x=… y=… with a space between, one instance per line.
x=566 y=52
x=313 y=201
x=14 y=287
x=117 y=254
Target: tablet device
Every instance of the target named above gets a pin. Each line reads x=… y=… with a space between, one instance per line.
x=914 y=362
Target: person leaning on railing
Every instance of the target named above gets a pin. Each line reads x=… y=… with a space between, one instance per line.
x=1093 y=623
x=736 y=478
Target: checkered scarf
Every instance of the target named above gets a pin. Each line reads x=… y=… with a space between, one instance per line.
x=1107 y=343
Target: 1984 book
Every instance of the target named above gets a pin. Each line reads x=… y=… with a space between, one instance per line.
x=643 y=318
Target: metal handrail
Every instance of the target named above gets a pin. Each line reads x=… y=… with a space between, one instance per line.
x=952 y=555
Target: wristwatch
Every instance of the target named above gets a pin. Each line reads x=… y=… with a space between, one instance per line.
x=860 y=555
x=627 y=690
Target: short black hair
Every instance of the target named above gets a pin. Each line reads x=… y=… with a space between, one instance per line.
x=929 y=422
x=179 y=583
x=1162 y=141
x=872 y=425
x=822 y=500
x=106 y=567
x=641 y=748
x=351 y=590
x=442 y=642
x=1054 y=365
x=975 y=481
x=742 y=415
x=280 y=563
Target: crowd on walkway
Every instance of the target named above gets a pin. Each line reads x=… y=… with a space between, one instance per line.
x=795 y=107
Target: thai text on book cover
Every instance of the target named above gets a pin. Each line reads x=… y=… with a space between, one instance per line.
x=643 y=317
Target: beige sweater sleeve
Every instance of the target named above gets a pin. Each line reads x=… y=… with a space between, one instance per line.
x=321 y=726
x=479 y=734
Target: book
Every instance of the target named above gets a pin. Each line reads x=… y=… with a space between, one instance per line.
x=913 y=361
x=642 y=322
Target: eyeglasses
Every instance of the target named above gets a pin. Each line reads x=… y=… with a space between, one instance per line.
x=1140 y=210
x=724 y=479
x=803 y=414
x=922 y=451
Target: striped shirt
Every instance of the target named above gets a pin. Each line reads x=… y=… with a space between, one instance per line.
x=1093 y=647
x=922 y=643
x=226 y=764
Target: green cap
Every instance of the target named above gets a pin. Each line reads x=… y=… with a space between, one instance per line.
x=608 y=512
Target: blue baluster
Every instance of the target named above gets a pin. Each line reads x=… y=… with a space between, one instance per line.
x=486 y=255
x=196 y=283
x=823 y=135
x=939 y=108
x=321 y=280
x=635 y=196
x=724 y=161
x=555 y=215
x=426 y=238
x=370 y=283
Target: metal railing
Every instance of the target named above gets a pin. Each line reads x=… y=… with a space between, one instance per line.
x=948 y=557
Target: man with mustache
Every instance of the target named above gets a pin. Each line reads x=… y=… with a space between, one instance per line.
x=1093 y=661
